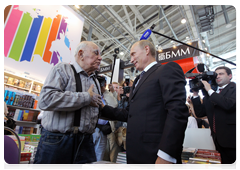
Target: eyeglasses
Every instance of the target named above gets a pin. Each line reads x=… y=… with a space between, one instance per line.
x=97 y=52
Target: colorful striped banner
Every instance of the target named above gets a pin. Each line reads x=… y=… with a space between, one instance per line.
x=42 y=38
x=20 y=38
x=32 y=37
x=11 y=28
x=52 y=36
x=62 y=30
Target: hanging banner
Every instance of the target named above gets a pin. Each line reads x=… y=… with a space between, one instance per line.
x=105 y=69
x=177 y=53
x=37 y=37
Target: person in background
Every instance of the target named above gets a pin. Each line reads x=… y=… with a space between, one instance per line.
x=157 y=114
x=192 y=122
x=202 y=122
x=5 y=111
x=220 y=108
x=103 y=128
x=61 y=142
x=113 y=148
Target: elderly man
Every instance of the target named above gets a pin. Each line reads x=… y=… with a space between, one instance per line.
x=60 y=141
x=157 y=114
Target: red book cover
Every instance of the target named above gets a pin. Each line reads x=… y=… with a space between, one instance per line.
x=25 y=154
x=207 y=156
x=30 y=115
x=208 y=152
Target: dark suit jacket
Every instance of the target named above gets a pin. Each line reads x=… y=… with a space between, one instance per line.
x=156 y=115
x=224 y=107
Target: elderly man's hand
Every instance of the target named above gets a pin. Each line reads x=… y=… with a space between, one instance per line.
x=95 y=98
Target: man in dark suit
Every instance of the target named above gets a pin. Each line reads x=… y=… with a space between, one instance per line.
x=157 y=114
x=220 y=108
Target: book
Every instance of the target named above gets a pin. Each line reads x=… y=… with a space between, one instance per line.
x=9 y=97
x=16 y=114
x=188 y=153
x=109 y=165
x=26 y=154
x=5 y=79
x=15 y=82
x=10 y=80
x=208 y=152
x=25 y=115
x=202 y=165
x=21 y=83
x=30 y=116
x=35 y=115
x=28 y=85
x=20 y=115
x=6 y=95
x=12 y=98
x=207 y=156
x=15 y=102
x=205 y=160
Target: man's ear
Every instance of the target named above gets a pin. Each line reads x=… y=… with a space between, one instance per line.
x=80 y=53
x=147 y=48
x=230 y=75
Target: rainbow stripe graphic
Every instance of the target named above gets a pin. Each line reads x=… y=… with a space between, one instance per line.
x=25 y=36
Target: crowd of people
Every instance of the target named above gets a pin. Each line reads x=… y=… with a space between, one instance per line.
x=82 y=125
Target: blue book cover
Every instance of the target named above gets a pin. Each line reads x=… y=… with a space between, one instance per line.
x=20 y=115
x=9 y=97
x=12 y=98
x=5 y=95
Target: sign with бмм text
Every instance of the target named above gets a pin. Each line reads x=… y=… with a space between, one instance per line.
x=178 y=53
x=105 y=69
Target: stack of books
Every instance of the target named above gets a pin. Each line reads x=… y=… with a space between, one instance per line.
x=121 y=158
x=25 y=156
x=17 y=98
x=109 y=165
x=206 y=156
x=186 y=154
x=25 y=115
x=32 y=148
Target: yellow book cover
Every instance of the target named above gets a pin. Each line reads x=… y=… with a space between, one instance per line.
x=25 y=115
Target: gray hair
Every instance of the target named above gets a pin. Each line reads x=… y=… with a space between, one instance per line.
x=80 y=46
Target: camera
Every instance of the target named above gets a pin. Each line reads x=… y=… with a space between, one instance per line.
x=195 y=82
x=102 y=80
x=126 y=89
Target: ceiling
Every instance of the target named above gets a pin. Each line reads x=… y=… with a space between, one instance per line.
x=119 y=26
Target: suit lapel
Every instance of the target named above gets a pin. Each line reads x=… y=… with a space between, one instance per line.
x=149 y=72
x=229 y=86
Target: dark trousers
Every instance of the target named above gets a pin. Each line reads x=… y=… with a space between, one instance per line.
x=69 y=148
x=228 y=155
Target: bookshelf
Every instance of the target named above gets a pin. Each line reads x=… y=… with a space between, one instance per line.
x=25 y=123
x=22 y=83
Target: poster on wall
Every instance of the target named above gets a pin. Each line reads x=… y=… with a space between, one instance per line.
x=37 y=37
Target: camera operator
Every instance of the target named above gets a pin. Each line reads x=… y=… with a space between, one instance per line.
x=103 y=126
x=220 y=108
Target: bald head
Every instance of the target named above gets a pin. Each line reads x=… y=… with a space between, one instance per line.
x=87 y=55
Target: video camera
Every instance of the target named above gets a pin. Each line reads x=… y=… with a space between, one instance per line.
x=195 y=82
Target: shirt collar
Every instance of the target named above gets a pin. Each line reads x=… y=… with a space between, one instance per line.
x=80 y=70
x=222 y=87
x=149 y=66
